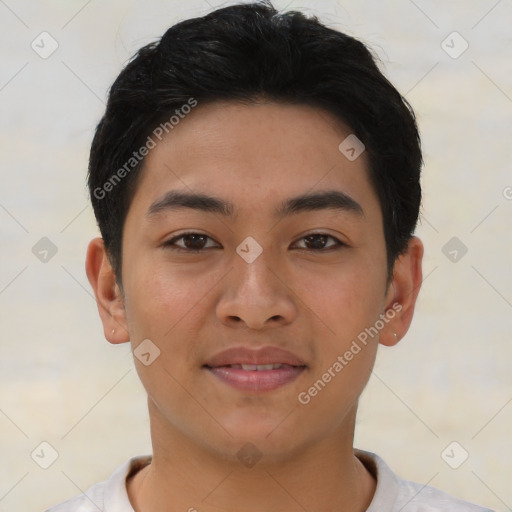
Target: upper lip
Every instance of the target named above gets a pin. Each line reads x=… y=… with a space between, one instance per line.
x=262 y=355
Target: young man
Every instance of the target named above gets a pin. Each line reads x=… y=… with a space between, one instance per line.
x=256 y=182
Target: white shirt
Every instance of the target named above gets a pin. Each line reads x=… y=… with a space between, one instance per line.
x=392 y=494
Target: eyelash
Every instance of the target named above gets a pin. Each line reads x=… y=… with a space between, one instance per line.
x=171 y=244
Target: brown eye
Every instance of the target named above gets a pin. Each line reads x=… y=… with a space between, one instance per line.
x=192 y=242
x=318 y=242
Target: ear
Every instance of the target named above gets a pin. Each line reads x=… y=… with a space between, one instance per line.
x=108 y=294
x=402 y=292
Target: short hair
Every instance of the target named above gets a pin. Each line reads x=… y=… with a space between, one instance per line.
x=243 y=53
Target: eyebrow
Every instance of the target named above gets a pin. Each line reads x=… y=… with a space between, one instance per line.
x=329 y=199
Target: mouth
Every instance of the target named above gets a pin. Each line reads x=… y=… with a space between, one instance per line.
x=260 y=370
x=255 y=367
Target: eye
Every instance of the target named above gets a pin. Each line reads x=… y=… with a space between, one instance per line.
x=192 y=242
x=197 y=242
x=318 y=242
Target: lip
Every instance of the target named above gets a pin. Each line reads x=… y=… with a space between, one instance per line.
x=255 y=380
x=262 y=355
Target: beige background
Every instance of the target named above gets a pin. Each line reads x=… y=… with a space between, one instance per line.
x=448 y=380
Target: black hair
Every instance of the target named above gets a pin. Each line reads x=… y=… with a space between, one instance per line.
x=243 y=53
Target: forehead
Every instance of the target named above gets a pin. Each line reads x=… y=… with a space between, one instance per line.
x=249 y=153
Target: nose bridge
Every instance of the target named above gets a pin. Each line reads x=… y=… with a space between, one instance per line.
x=254 y=293
x=253 y=273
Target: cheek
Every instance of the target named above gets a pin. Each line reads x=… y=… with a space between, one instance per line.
x=163 y=299
x=162 y=306
x=345 y=299
x=348 y=306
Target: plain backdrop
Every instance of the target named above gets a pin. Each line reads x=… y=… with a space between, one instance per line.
x=447 y=381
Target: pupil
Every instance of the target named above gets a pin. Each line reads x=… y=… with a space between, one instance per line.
x=195 y=238
x=317 y=237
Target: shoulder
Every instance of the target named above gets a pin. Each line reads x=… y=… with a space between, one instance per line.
x=394 y=494
x=108 y=496
x=91 y=501
x=415 y=497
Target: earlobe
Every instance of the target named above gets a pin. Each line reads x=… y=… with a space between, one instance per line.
x=108 y=295
x=403 y=291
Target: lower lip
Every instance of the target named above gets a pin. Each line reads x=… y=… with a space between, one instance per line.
x=256 y=380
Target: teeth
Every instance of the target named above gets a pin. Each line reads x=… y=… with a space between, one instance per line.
x=259 y=367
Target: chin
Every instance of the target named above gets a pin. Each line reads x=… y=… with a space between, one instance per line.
x=273 y=435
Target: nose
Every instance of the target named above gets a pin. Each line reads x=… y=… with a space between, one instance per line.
x=256 y=295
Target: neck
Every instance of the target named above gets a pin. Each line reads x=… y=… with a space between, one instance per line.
x=184 y=476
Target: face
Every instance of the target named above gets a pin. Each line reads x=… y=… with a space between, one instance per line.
x=253 y=278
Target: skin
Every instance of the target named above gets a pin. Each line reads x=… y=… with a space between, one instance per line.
x=193 y=305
